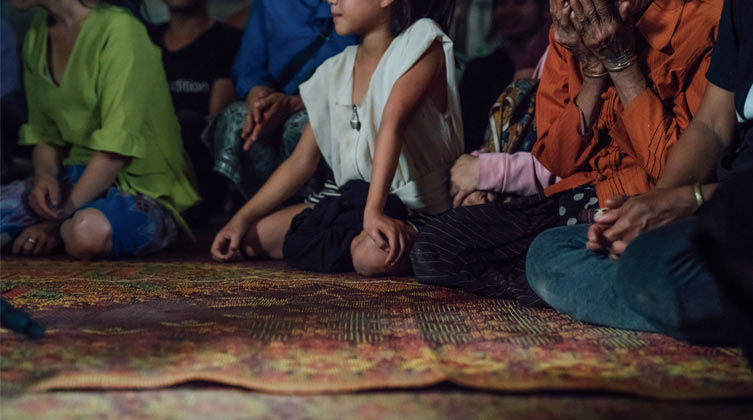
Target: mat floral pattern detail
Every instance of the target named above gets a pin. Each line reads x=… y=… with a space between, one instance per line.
x=138 y=325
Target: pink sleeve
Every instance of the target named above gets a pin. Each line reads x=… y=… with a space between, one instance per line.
x=540 y=67
x=518 y=173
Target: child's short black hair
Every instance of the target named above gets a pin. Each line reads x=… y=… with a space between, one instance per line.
x=405 y=12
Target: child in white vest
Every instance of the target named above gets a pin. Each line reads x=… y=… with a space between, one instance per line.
x=385 y=112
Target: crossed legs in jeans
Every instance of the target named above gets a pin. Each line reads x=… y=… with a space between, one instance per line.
x=658 y=285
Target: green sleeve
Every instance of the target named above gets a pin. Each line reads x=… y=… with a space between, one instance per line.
x=128 y=70
x=39 y=128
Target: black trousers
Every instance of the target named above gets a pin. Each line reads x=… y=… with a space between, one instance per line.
x=482 y=249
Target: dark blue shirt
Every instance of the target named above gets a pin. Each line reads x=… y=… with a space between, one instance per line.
x=732 y=70
x=277 y=30
x=11 y=80
x=732 y=60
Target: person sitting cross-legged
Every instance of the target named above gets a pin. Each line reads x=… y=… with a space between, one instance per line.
x=110 y=174
x=621 y=82
x=198 y=54
x=637 y=266
x=283 y=44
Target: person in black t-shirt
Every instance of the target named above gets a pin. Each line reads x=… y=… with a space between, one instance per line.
x=198 y=55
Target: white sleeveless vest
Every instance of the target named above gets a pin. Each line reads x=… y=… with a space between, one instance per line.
x=432 y=139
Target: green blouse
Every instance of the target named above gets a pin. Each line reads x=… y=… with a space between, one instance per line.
x=113 y=97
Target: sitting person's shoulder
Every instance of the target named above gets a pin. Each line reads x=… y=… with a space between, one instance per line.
x=116 y=23
x=423 y=36
x=337 y=63
x=424 y=28
x=700 y=12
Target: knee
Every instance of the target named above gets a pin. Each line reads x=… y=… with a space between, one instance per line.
x=87 y=234
x=368 y=258
x=547 y=265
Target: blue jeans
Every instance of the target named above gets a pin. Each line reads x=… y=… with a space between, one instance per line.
x=658 y=284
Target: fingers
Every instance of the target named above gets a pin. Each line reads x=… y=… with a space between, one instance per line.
x=589 y=11
x=18 y=244
x=219 y=248
x=602 y=9
x=38 y=203
x=454 y=188
x=565 y=21
x=257 y=132
x=557 y=9
x=616 y=201
x=266 y=103
x=459 y=198
x=476 y=198
x=596 y=240
x=577 y=17
x=618 y=248
x=378 y=239
x=39 y=247
x=608 y=216
x=25 y=244
x=619 y=231
x=234 y=249
x=405 y=237
x=625 y=12
x=258 y=110
x=394 y=243
x=215 y=250
x=248 y=126
x=53 y=192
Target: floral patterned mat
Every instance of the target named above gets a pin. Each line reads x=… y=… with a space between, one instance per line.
x=187 y=403
x=139 y=325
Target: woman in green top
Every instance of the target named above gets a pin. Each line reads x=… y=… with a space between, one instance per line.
x=110 y=174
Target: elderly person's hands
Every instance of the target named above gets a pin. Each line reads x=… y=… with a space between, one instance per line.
x=566 y=35
x=606 y=28
x=267 y=110
x=626 y=218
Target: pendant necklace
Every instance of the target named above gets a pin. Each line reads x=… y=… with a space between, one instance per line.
x=355 y=122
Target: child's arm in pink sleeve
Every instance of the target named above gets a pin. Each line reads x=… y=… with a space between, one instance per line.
x=518 y=173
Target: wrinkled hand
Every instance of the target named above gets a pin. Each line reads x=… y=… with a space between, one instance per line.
x=606 y=28
x=39 y=239
x=463 y=178
x=267 y=110
x=227 y=242
x=391 y=235
x=566 y=35
x=627 y=218
x=45 y=197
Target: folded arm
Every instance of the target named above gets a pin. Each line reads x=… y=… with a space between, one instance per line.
x=407 y=93
x=690 y=161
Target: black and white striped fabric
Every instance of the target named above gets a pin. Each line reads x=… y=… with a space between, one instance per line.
x=482 y=249
x=415 y=219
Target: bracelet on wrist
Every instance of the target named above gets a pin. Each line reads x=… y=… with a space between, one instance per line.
x=622 y=63
x=592 y=75
x=698 y=192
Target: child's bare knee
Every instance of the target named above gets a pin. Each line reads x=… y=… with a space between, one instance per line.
x=251 y=244
x=87 y=234
x=368 y=258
